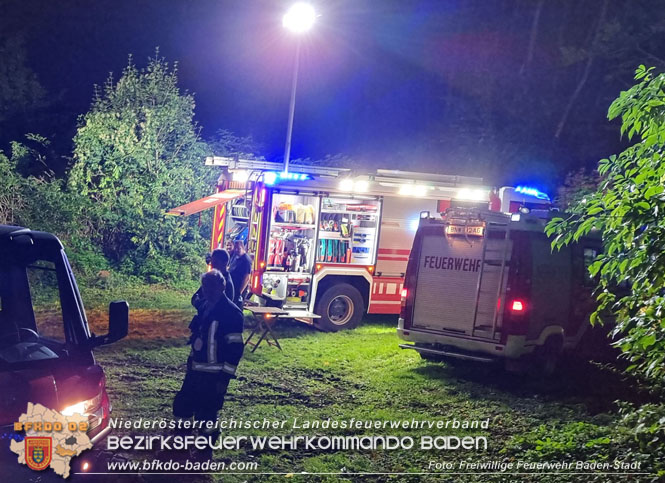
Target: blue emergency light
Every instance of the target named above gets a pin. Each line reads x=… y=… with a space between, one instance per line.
x=526 y=190
x=271 y=177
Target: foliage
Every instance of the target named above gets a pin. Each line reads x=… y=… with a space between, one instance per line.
x=20 y=91
x=606 y=441
x=97 y=291
x=577 y=186
x=225 y=143
x=12 y=203
x=572 y=441
x=627 y=208
x=34 y=156
x=137 y=153
x=160 y=268
x=35 y=201
x=647 y=425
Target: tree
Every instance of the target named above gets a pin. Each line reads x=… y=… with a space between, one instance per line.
x=226 y=143
x=628 y=209
x=37 y=202
x=12 y=201
x=137 y=153
x=21 y=94
x=577 y=186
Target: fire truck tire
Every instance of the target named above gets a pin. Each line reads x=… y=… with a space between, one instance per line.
x=341 y=307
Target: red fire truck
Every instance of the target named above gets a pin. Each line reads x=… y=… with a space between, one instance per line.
x=328 y=244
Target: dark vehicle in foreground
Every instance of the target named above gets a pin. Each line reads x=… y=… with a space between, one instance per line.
x=486 y=286
x=46 y=345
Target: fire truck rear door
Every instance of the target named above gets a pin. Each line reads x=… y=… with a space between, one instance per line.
x=447 y=282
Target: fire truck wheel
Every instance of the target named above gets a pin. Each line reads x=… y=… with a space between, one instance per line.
x=341 y=307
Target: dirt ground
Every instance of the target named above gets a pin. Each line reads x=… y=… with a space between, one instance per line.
x=147 y=324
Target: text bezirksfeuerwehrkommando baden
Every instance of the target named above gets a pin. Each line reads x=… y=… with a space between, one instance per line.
x=309 y=443
x=295 y=441
x=297 y=423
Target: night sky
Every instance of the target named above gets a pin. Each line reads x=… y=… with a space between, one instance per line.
x=394 y=83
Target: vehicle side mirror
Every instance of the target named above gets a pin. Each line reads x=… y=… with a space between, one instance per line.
x=118 y=323
x=118 y=320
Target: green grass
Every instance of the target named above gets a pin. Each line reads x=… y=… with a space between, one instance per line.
x=138 y=294
x=362 y=374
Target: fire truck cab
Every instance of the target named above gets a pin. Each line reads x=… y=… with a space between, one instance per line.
x=328 y=244
x=484 y=285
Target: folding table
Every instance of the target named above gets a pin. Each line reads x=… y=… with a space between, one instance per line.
x=265 y=317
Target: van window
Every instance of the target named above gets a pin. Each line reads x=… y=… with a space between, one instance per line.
x=45 y=296
x=31 y=318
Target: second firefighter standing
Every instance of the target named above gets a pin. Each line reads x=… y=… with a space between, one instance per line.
x=216 y=349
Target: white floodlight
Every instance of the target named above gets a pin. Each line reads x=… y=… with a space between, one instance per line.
x=299 y=18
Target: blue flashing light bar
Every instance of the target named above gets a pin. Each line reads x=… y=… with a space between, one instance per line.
x=271 y=177
x=526 y=190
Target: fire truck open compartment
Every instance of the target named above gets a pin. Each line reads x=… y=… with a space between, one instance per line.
x=348 y=231
x=306 y=231
x=290 y=251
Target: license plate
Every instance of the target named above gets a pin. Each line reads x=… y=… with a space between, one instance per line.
x=465 y=230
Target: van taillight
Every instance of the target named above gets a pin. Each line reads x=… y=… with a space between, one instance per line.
x=402 y=303
x=515 y=319
x=517 y=306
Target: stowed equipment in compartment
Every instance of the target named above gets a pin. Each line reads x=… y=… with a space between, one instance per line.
x=303 y=214
x=347 y=231
x=290 y=252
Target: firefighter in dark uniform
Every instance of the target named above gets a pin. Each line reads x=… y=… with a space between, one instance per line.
x=217 y=347
x=219 y=260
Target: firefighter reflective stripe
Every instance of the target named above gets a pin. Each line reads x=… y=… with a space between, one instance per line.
x=229 y=368
x=205 y=367
x=212 y=342
x=202 y=366
x=235 y=337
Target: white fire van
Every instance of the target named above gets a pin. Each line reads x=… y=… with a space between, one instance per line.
x=483 y=285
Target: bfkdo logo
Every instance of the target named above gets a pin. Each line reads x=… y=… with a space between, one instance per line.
x=51 y=439
x=38 y=452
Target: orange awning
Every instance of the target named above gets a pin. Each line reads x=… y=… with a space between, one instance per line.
x=205 y=203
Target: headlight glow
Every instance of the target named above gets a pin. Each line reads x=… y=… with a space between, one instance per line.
x=83 y=407
x=78 y=408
